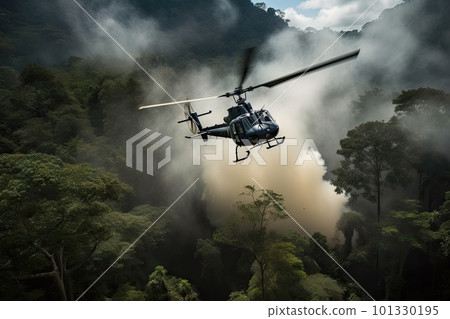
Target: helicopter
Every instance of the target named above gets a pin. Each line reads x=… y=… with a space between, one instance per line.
x=244 y=125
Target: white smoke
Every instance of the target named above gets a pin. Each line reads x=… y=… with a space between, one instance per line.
x=317 y=107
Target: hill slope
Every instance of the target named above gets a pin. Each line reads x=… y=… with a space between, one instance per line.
x=46 y=32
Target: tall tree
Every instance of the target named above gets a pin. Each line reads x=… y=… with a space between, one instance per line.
x=424 y=113
x=210 y=259
x=348 y=224
x=53 y=216
x=322 y=287
x=425 y=101
x=162 y=286
x=248 y=228
x=374 y=158
x=410 y=232
x=284 y=273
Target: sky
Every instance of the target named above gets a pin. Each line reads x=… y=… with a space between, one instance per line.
x=334 y=14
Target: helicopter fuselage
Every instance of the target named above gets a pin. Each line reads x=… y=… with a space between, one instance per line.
x=251 y=128
x=245 y=126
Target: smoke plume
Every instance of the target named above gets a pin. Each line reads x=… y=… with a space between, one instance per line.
x=317 y=106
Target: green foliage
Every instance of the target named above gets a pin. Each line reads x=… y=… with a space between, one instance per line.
x=408 y=230
x=414 y=228
x=9 y=78
x=264 y=208
x=306 y=250
x=378 y=156
x=44 y=90
x=162 y=286
x=277 y=271
x=134 y=266
x=53 y=216
x=282 y=272
x=43 y=116
x=59 y=111
x=359 y=256
x=128 y=293
x=348 y=224
x=322 y=287
x=374 y=158
x=248 y=229
x=156 y=287
x=119 y=98
x=238 y=296
x=210 y=258
x=424 y=114
x=53 y=213
x=422 y=100
x=42 y=31
x=444 y=229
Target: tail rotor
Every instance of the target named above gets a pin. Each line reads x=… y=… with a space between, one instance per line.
x=193 y=121
x=189 y=118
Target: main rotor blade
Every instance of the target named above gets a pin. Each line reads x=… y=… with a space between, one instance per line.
x=247 y=64
x=316 y=67
x=179 y=102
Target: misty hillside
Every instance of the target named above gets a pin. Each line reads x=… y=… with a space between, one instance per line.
x=49 y=31
x=46 y=31
x=422 y=29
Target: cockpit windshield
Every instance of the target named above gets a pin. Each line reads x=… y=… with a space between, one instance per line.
x=265 y=116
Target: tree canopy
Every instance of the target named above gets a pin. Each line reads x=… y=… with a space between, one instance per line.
x=66 y=206
x=374 y=158
x=53 y=216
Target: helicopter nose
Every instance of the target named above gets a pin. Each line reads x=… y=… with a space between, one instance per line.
x=269 y=130
x=274 y=128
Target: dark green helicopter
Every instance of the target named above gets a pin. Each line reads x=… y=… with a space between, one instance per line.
x=246 y=126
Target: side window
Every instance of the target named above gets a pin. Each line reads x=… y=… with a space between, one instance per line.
x=239 y=128
x=246 y=123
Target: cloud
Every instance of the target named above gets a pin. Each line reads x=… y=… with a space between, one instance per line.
x=317 y=107
x=309 y=198
x=136 y=32
x=319 y=4
x=124 y=23
x=337 y=14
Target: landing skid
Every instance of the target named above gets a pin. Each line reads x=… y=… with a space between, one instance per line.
x=241 y=159
x=277 y=140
